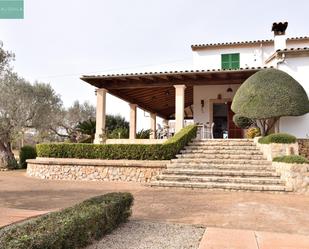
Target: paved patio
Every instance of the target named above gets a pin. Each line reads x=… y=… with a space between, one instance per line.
x=21 y=196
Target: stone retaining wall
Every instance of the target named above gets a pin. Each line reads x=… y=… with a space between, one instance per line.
x=303 y=147
x=95 y=170
x=270 y=151
x=296 y=176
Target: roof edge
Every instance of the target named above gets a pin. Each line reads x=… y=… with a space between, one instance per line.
x=219 y=44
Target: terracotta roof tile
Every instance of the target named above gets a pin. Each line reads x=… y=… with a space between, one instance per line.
x=293 y=49
x=171 y=72
x=196 y=46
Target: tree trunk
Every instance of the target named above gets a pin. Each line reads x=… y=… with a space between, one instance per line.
x=7 y=159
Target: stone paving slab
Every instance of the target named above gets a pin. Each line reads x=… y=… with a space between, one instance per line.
x=267 y=240
x=218 y=238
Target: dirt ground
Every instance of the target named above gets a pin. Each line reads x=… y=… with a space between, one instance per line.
x=287 y=213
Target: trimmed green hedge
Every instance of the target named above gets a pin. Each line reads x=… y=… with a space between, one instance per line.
x=26 y=152
x=165 y=151
x=279 y=138
x=70 y=228
x=291 y=159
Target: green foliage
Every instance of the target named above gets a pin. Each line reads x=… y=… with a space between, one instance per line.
x=121 y=132
x=270 y=93
x=26 y=152
x=143 y=134
x=70 y=228
x=115 y=121
x=253 y=132
x=242 y=122
x=165 y=151
x=291 y=159
x=279 y=138
x=87 y=127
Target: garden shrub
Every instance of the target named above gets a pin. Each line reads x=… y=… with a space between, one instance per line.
x=26 y=152
x=165 y=151
x=279 y=138
x=253 y=132
x=268 y=95
x=70 y=228
x=291 y=159
x=242 y=122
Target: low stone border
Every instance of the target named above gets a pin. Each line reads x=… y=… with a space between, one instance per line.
x=95 y=170
x=295 y=175
x=270 y=151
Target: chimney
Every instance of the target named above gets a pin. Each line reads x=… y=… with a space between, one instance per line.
x=279 y=32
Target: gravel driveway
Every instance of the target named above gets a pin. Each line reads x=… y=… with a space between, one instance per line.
x=150 y=235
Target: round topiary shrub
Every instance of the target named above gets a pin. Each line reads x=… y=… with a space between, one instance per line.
x=242 y=122
x=268 y=95
x=26 y=152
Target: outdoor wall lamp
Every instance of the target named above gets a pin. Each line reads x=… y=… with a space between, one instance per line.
x=202 y=105
x=229 y=90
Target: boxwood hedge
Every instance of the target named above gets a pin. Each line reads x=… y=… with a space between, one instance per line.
x=73 y=227
x=291 y=159
x=165 y=151
x=279 y=138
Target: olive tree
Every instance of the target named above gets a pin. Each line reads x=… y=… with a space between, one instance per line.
x=23 y=106
x=268 y=95
x=66 y=123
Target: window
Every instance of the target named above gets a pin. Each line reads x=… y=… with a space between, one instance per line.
x=230 y=61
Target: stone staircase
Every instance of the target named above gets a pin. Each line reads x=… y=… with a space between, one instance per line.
x=232 y=164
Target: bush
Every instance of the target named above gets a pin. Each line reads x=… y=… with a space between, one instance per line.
x=253 y=132
x=278 y=138
x=26 y=152
x=242 y=122
x=143 y=134
x=70 y=228
x=268 y=95
x=291 y=159
x=165 y=151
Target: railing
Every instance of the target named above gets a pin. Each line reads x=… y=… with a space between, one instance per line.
x=204 y=131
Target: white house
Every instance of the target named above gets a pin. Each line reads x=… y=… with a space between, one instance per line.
x=205 y=94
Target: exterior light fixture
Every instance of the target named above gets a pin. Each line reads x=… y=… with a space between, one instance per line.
x=229 y=90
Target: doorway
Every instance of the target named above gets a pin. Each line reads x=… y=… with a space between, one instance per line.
x=220 y=118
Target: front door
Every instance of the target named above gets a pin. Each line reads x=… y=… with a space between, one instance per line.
x=233 y=130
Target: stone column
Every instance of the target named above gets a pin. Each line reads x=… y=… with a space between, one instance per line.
x=132 y=134
x=100 y=115
x=179 y=107
x=153 y=125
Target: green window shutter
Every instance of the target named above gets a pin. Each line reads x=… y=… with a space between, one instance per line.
x=230 y=61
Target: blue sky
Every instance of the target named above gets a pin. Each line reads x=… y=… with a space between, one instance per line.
x=58 y=40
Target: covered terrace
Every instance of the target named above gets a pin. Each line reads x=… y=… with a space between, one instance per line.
x=168 y=95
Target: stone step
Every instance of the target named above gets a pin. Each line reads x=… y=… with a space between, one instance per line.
x=220 y=179
x=229 y=143
x=221 y=161
x=220 y=166
x=223 y=140
x=221 y=172
x=213 y=151
x=221 y=147
x=224 y=186
x=220 y=156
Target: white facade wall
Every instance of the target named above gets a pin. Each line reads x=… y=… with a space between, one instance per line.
x=298 y=68
x=251 y=55
x=208 y=93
